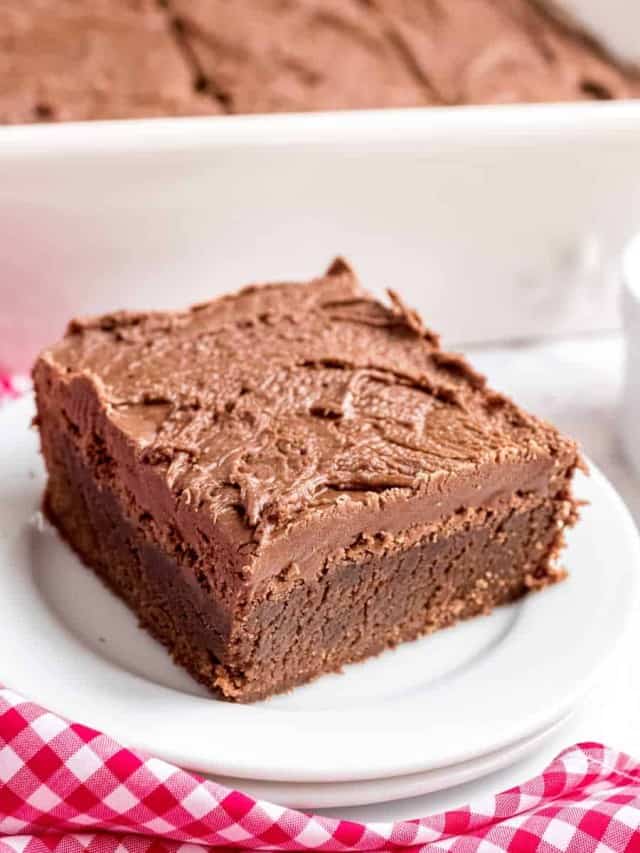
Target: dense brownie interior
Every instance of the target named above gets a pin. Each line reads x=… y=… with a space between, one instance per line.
x=380 y=595
x=294 y=477
x=70 y=60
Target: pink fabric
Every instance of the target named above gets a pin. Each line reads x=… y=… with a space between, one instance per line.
x=9 y=387
x=67 y=788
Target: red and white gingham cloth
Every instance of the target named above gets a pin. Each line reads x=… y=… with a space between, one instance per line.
x=67 y=788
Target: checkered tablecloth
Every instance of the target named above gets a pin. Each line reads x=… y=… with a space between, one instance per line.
x=67 y=788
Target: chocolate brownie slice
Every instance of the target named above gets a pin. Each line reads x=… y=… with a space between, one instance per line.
x=294 y=477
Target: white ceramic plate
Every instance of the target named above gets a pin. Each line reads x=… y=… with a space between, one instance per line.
x=327 y=795
x=455 y=696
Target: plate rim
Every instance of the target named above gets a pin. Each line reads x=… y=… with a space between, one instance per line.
x=291 y=732
x=365 y=792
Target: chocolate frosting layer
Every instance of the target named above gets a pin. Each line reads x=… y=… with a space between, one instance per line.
x=96 y=59
x=292 y=419
x=279 y=55
x=71 y=60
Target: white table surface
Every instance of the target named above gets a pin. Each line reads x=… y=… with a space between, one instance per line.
x=577 y=385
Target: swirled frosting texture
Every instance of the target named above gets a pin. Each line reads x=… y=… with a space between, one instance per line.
x=291 y=55
x=94 y=59
x=290 y=414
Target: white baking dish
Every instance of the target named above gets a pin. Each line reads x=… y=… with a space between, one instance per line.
x=493 y=221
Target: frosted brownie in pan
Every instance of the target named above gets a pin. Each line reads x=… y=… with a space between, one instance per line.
x=294 y=477
x=64 y=60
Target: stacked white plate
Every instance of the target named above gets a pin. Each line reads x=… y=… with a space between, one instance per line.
x=433 y=713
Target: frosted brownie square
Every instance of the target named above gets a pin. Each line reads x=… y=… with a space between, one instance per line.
x=294 y=477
